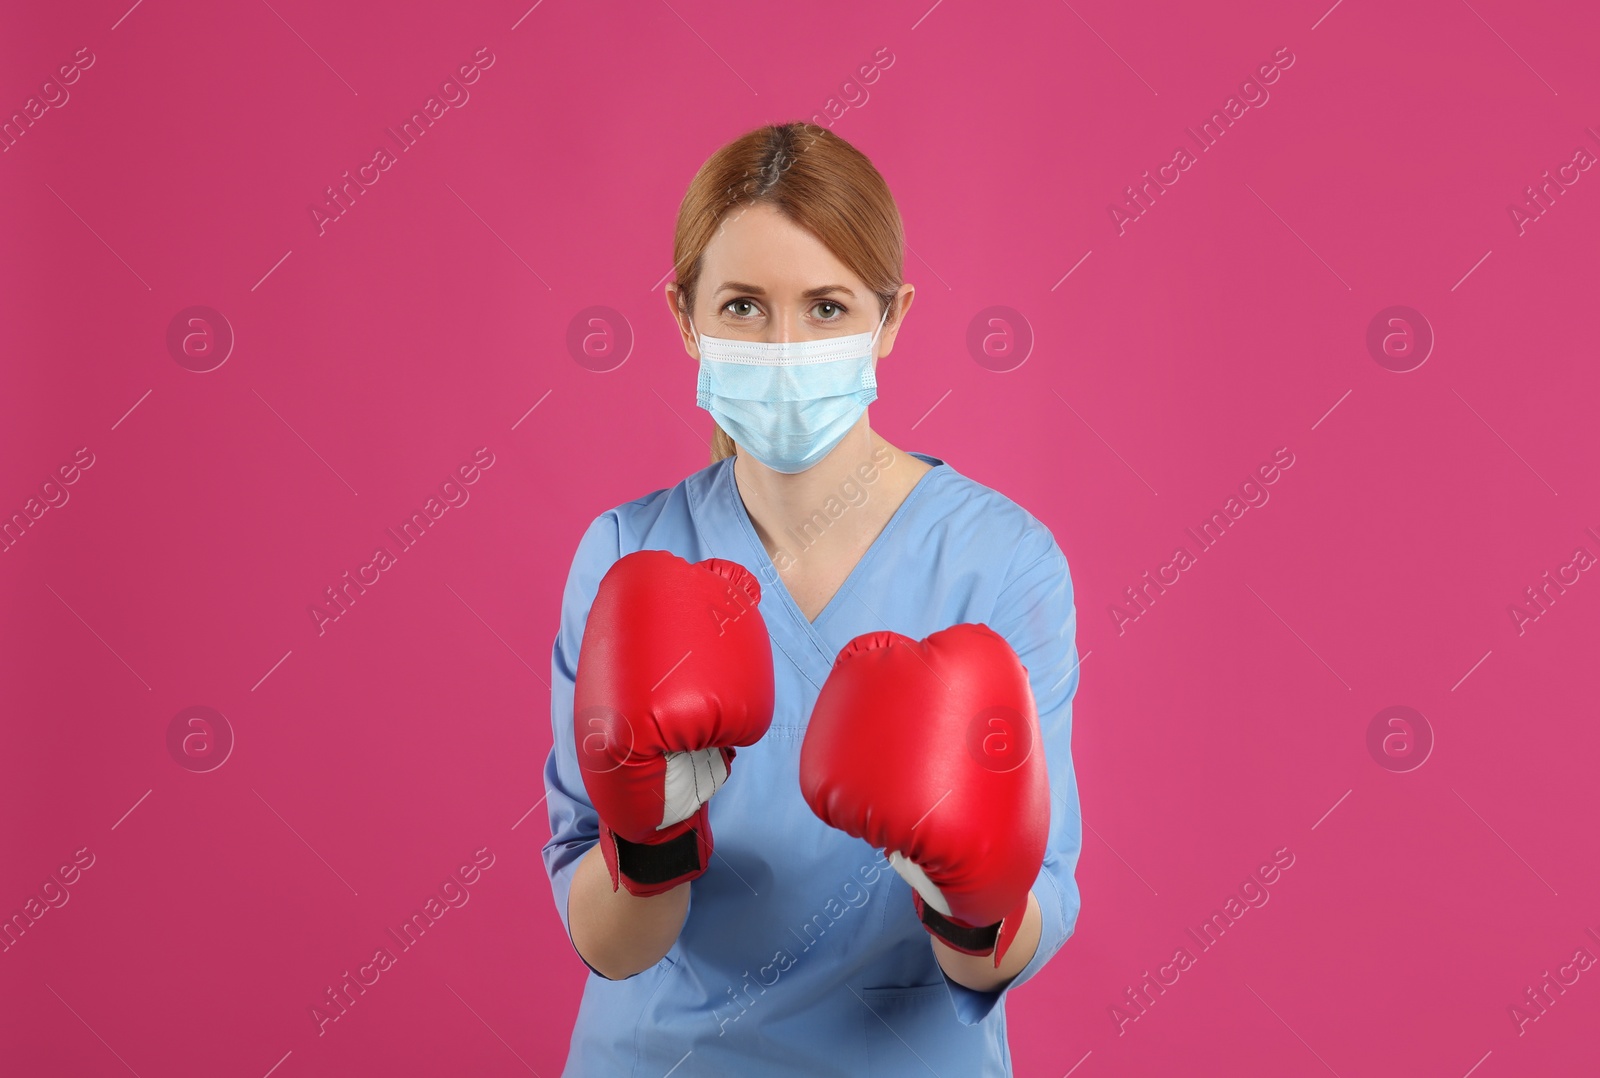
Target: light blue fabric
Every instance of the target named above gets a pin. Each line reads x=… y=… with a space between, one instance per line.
x=802 y=953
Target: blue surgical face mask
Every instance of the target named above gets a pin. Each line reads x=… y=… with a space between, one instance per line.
x=788 y=403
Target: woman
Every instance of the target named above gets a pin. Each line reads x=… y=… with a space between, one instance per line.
x=790 y=948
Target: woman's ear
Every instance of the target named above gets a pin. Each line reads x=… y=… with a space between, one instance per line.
x=891 y=328
x=675 y=303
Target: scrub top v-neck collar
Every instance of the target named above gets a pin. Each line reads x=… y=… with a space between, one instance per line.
x=803 y=641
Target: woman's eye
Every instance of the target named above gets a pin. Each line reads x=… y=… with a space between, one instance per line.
x=827 y=310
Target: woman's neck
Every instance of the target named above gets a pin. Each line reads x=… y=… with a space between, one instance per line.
x=815 y=521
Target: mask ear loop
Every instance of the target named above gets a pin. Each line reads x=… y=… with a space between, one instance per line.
x=695 y=333
x=873 y=347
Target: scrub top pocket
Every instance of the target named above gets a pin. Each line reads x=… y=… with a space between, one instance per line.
x=910 y=1030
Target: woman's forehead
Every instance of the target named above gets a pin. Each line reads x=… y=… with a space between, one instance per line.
x=762 y=248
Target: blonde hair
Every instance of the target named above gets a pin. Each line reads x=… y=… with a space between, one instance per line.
x=814 y=178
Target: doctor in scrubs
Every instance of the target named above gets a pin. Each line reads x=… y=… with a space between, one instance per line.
x=793 y=866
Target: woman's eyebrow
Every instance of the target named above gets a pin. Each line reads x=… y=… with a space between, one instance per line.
x=810 y=293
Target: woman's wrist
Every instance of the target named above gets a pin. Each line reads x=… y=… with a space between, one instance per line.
x=978 y=972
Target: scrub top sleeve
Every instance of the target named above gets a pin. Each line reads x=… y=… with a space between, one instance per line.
x=1037 y=616
x=574 y=825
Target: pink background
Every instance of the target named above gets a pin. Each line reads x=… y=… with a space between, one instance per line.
x=1228 y=721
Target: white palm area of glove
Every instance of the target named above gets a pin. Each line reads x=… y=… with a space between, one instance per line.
x=692 y=777
x=912 y=873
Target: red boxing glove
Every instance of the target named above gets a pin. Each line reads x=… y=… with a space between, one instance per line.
x=675 y=670
x=931 y=751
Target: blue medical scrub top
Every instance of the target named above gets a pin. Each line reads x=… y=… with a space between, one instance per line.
x=802 y=953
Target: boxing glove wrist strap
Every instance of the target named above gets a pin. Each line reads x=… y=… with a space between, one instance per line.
x=650 y=864
x=963 y=938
